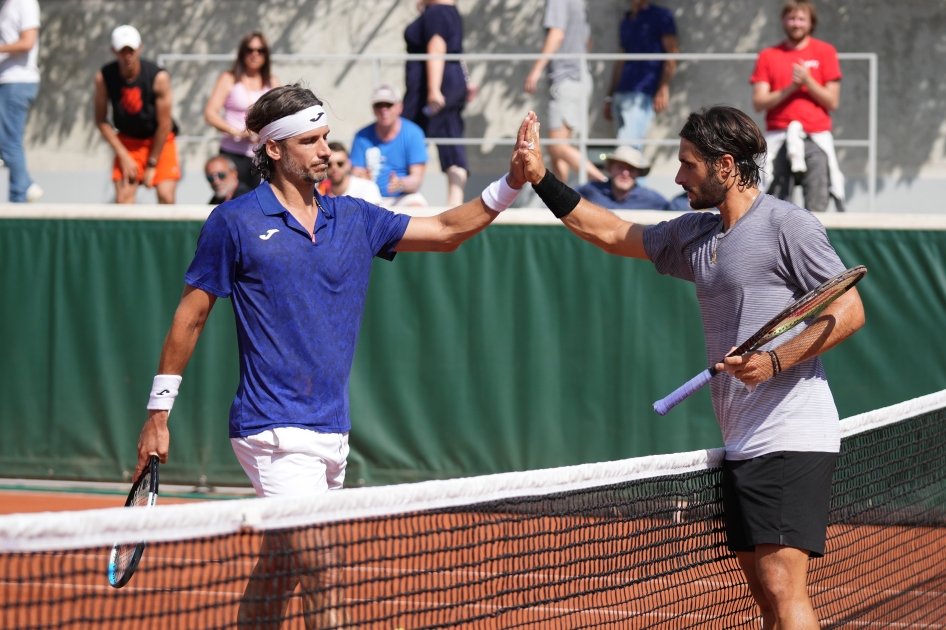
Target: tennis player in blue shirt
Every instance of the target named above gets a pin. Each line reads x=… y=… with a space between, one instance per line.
x=295 y=266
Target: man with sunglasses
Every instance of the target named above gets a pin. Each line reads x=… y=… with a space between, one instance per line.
x=392 y=151
x=222 y=176
x=339 y=180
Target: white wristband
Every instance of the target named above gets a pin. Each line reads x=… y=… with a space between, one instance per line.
x=499 y=195
x=164 y=391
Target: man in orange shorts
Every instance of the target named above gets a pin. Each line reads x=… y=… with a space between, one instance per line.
x=140 y=94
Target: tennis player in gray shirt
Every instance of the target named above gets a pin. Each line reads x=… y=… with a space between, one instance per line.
x=748 y=262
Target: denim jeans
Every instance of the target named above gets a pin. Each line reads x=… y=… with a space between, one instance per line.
x=15 y=101
x=633 y=112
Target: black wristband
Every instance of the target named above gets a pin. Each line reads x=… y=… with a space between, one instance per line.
x=559 y=198
x=776 y=364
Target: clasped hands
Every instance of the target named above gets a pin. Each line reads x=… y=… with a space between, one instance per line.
x=526 y=165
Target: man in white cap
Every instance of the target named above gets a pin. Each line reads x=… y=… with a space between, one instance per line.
x=140 y=94
x=295 y=265
x=621 y=192
x=392 y=151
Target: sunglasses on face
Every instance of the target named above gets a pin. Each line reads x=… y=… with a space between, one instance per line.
x=383 y=105
x=339 y=164
x=212 y=177
x=250 y=51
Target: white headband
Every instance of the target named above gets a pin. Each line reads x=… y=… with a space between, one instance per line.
x=294 y=124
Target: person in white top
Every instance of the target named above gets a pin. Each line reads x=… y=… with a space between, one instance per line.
x=19 y=82
x=235 y=92
x=339 y=180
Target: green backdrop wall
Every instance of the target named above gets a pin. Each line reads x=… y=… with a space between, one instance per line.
x=527 y=348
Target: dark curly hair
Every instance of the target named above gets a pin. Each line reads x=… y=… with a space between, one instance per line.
x=723 y=130
x=275 y=104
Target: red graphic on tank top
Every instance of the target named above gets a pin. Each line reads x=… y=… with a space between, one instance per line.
x=131 y=100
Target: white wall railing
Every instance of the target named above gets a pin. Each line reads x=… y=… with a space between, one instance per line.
x=583 y=141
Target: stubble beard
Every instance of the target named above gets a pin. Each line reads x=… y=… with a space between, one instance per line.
x=710 y=194
x=299 y=170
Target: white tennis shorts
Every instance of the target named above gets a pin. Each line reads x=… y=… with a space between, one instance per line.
x=292 y=461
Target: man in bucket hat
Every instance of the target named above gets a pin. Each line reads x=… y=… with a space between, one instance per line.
x=621 y=192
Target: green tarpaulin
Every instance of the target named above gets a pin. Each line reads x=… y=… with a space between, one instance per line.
x=527 y=348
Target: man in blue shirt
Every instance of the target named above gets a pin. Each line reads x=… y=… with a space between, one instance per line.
x=296 y=267
x=392 y=151
x=640 y=88
x=622 y=192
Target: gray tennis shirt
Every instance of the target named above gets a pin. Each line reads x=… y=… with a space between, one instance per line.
x=770 y=257
x=571 y=17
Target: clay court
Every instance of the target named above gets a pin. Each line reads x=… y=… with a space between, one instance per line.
x=648 y=553
x=629 y=564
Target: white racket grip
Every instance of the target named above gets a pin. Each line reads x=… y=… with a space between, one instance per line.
x=680 y=394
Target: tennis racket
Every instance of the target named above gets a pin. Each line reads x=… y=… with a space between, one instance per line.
x=124 y=558
x=806 y=307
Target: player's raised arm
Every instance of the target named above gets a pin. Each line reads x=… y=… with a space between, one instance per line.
x=446 y=231
x=589 y=221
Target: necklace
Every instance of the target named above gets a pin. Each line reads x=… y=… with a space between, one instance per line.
x=716 y=240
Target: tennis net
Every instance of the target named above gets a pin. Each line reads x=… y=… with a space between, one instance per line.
x=637 y=543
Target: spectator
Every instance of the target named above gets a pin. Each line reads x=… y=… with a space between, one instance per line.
x=640 y=88
x=392 y=152
x=222 y=176
x=19 y=81
x=236 y=90
x=567 y=31
x=680 y=203
x=798 y=84
x=437 y=89
x=339 y=180
x=625 y=165
x=140 y=94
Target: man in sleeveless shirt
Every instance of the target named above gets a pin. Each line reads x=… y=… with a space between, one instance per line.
x=140 y=94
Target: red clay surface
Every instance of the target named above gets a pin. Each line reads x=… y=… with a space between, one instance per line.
x=487 y=570
x=17 y=501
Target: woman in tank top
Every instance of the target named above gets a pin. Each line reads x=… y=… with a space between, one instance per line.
x=235 y=92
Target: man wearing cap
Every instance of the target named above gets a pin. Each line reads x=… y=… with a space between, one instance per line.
x=392 y=151
x=625 y=165
x=140 y=94
x=295 y=266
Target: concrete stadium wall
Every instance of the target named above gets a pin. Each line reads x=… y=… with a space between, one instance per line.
x=71 y=161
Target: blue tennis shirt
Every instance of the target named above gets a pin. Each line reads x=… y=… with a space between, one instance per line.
x=298 y=304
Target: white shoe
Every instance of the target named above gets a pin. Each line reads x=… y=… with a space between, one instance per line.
x=34 y=192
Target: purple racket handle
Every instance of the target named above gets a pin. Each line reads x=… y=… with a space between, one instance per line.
x=680 y=394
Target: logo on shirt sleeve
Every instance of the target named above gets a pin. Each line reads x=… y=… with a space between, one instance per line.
x=268 y=235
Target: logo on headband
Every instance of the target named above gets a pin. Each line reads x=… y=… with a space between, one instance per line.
x=316 y=119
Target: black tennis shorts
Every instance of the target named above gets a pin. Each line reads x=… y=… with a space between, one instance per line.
x=780 y=498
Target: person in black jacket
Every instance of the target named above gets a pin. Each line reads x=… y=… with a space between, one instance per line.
x=140 y=94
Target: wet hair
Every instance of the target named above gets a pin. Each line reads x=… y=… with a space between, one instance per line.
x=275 y=104
x=723 y=130
x=239 y=67
x=337 y=146
x=805 y=5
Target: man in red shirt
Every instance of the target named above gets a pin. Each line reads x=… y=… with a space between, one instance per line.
x=797 y=84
